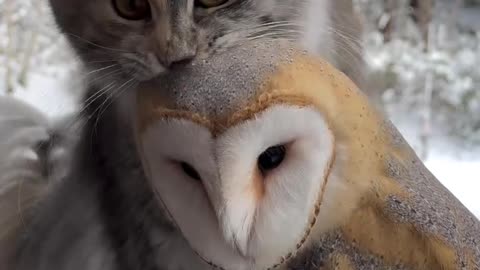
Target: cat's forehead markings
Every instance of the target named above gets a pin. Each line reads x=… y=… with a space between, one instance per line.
x=222 y=83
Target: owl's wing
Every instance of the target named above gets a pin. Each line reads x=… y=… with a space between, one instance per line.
x=408 y=220
x=383 y=209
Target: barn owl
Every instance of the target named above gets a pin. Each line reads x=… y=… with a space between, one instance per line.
x=265 y=157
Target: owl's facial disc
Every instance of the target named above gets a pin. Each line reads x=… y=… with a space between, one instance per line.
x=246 y=198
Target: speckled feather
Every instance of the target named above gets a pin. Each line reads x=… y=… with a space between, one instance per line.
x=391 y=212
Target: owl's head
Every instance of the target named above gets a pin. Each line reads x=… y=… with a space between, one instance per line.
x=239 y=150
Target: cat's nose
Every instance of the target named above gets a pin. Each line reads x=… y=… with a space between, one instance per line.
x=175 y=45
x=178 y=59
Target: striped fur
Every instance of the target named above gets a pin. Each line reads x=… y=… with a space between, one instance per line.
x=31 y=153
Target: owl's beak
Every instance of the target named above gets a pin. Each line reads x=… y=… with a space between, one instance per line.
x=236 y=229
x=235 y=213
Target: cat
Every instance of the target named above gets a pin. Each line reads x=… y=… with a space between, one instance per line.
x=113 y=44
x=102 y=214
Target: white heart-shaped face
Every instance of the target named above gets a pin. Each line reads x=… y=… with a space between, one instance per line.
x=244 y=199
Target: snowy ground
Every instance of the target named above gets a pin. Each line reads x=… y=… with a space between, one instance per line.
x=456 y=167
x=48 y=94
x=462 y=177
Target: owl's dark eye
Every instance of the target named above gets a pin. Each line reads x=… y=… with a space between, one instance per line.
x=132 y=9
x=271 y=158
x=210 y=3
x=190 y=171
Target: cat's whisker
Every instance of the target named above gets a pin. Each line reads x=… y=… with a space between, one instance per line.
x=88 y=102
x=20 y=211
x=347 y=52
x=352 y=52
x=95 y=96
x=109 y=100
x=80 y=115
x=263 y=27
x=100 y=69
x=100 y=61
x=274 y=23
x=346 y=57
x=357 y=46
x=112 y=94
x=90 y=81
x=280 y=23
x=345 y=35
x=127 y=86
x=244 y=41
x=347 y=43
x=286 y=30
x=282 y=35
x=279 y=30
x=95 y=44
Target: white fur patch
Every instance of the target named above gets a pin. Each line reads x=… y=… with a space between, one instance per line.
x=318 y=37
x=218 y=216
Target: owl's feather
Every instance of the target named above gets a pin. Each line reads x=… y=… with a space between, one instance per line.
x=374 y=204
x=381 y=200
x=381 y=208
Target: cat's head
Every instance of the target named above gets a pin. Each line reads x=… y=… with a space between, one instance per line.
x=143 y=38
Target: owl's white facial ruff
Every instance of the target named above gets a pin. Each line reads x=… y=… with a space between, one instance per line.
x=236 y=214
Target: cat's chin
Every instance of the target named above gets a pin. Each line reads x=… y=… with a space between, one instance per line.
x=147 y=77
x=144 y=75
x=142 y=70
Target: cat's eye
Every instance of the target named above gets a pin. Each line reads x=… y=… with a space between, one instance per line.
x=190 y=171
x=132 y=9
x=271 y=158
x=210 y=3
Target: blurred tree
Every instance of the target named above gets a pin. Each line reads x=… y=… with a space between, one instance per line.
x=9 y=46
x=388 y=20
x=421 y=12
x=31 y=43
x=472 y=2
x=348 y=34
x=429 y=77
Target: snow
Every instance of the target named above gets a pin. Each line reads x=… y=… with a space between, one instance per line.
x=453 y=109
x=462 y=178
x=456 y=167
x=48 y=94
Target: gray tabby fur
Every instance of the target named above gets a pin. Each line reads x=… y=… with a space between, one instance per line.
x=33 y=145
x=22 y=127
x=102 y=215
x=118 y=48
x=109 y=218
x=32 y=151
